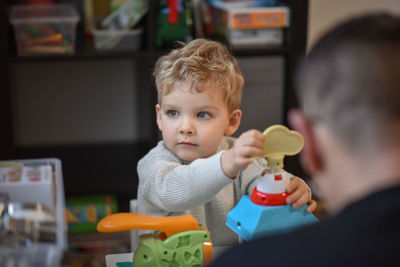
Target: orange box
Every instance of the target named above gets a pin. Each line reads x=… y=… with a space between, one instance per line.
x=260 y=17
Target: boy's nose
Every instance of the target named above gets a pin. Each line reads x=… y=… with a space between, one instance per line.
x=187 y=128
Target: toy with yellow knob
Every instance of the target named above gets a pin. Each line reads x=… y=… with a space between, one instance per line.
x=265 y=211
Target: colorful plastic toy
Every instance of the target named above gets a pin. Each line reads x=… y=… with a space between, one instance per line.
x=180 y=240
x=266 y=211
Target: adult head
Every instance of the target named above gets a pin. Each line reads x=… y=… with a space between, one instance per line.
x=349 y=92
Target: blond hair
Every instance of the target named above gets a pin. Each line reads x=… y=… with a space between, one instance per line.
x=205 y=65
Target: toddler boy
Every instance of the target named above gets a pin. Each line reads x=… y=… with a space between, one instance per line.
x=197 y=168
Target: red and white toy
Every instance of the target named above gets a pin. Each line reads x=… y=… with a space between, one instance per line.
x=279 y=142
x=266 y=211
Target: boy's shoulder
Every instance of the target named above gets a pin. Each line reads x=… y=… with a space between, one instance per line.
x=159 y=152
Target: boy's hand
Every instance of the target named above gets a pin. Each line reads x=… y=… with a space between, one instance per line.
x=236 y=159
x=300 y=194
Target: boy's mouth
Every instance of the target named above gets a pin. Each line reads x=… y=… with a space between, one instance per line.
x=186 y=144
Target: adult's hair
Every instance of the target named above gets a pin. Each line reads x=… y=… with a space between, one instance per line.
x=350 y=81
x=205 y=65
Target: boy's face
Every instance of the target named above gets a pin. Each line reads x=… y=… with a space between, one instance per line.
x=193 y=124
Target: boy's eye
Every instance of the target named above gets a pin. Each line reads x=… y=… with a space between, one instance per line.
x=172 y=113
x=203 y=115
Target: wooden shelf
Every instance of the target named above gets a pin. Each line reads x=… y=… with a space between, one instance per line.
x=141 y=54
x=258 y=51
x=84 y=56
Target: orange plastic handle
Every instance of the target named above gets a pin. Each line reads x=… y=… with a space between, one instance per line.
x=126 y=221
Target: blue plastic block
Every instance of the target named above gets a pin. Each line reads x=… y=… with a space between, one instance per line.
x=252 y=221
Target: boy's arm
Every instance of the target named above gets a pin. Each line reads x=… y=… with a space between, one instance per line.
x=173 y=186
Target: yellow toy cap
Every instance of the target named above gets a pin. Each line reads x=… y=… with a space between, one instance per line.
x=280 y=142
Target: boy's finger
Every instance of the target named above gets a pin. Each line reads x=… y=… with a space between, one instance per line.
x=295 y=182
x=254 y=134
x=312 y=205
x=253 y=142
x=250 y=152
x=293 y=185
x=296 y=196
x=300 y=201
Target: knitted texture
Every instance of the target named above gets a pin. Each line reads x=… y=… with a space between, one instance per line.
x=169 y=186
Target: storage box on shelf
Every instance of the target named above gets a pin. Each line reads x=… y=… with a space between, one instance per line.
x=251 y=23
x=44 y=29
x=119 y=31
x=112 y=40
x=254 y=37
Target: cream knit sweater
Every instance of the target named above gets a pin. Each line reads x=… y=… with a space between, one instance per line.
x=169 y=186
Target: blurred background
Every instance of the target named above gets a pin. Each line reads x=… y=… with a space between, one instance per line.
x=76 y=84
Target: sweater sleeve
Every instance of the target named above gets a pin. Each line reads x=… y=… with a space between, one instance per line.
x=172 y=186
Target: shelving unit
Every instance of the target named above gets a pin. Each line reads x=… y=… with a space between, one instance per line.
x=111 y=167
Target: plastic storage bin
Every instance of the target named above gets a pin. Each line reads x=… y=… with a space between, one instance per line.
x=27 y=190
x=44 y=29
x=129 y=40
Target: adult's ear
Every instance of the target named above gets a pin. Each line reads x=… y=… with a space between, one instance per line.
x=310 y=157
x=234 y=122
x=158 y=113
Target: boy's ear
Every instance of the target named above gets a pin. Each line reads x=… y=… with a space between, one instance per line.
x=234 y=122
x=310 y=157
x=158 y=113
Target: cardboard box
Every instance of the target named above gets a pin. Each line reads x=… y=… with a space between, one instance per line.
x=250 y=23
x=251 y=15
x=83 y=213
x=260 y=17
x=254 y=37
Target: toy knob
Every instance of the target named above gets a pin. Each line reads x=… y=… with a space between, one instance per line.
x=281 y=142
